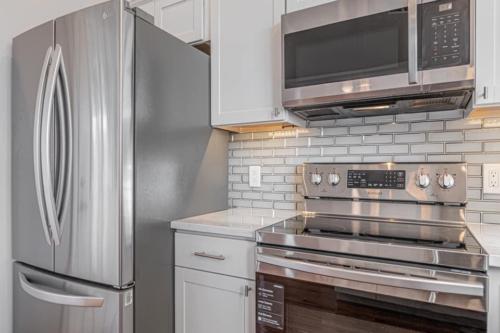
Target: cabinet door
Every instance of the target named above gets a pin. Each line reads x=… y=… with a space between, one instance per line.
x=487 y=53
x=246 y=61
x=185 y=19
x=294 y=5
x=213 y=303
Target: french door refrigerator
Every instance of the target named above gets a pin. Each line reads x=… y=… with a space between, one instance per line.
x=111 y=142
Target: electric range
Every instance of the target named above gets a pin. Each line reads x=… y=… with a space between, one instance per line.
x=379 y=248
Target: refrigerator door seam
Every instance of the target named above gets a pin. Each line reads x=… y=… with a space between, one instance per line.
x=66 y=139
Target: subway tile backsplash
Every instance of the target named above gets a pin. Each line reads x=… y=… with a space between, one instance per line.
x=422 y=137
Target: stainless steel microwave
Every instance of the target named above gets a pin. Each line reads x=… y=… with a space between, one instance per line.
x=350 y=58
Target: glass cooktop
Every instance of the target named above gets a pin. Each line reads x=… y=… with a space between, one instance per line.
x=446 y=245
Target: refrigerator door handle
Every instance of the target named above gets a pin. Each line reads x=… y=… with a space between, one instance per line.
x=45 y=145
x=66 y=145
x=40 y=102
x=51 y=295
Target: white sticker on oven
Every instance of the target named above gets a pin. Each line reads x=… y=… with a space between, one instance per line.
x=270 y=304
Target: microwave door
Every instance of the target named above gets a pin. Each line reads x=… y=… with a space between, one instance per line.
x=351 y=50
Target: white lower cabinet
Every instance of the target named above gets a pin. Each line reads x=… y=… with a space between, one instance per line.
x=214 y=284
x=213 y=303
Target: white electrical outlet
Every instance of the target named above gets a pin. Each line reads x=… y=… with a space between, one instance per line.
x=254 y=176
x=491 y=178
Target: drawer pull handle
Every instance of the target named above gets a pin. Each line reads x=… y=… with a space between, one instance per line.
x=209 y=256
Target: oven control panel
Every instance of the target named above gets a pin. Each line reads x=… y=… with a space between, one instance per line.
x=387 y=179
x=429 y=182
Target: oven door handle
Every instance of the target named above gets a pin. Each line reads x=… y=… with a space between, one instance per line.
x=392 y=280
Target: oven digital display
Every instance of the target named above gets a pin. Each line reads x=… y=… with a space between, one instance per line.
x=377 y=179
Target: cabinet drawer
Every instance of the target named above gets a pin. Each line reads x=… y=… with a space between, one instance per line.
x=218 y=255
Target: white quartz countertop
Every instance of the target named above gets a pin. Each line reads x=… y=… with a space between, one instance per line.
x=488 y=236
x=235 y=222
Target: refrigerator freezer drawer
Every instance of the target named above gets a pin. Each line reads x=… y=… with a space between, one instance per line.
x=46 y=303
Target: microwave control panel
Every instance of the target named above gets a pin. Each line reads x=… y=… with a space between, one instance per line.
x=445 y=33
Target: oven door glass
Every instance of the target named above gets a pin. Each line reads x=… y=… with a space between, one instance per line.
x=292 y=306
x=369 y=46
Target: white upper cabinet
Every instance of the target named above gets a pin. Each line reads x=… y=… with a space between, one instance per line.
x=487 y=53
x=187 y=20
x=294 y=5
x=246 y=63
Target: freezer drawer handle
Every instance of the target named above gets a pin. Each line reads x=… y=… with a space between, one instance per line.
x=40 y=100
x=210 y=256
x=51 y=295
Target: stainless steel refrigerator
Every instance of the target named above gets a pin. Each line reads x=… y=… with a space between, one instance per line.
x=111 y=142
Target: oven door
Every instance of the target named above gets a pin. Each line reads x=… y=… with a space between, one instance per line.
x=350 y=49
x=302 y=292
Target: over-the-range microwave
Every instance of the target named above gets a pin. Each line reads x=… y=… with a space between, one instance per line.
x=351 y=58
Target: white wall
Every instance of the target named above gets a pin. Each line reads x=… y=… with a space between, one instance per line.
x=16 y=16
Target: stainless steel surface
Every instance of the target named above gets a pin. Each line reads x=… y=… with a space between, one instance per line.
x=209 y=256
x=413 y=41
x=375 y=233
x=29 y=57
x=116 y=83
x=441 y=214
x=180 y=163
x=412 y=192
x=395 y=280
x=450 y=288
x=113 y=312
x=40 y=99
x=416 y=91
x=414 y=224
x=127 y=146
x=47 y=294
x=91 y=242
x=336 y=11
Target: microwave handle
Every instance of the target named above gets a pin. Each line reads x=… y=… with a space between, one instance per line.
x=412 y=41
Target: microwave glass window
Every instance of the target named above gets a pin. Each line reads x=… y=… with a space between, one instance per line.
x=360 y=48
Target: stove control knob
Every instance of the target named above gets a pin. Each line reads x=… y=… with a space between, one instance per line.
x=423 y=180
x=446 y=181
x=334 y=179
x=316 y=178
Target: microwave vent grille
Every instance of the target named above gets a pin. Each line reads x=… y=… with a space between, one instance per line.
x=389 y=106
